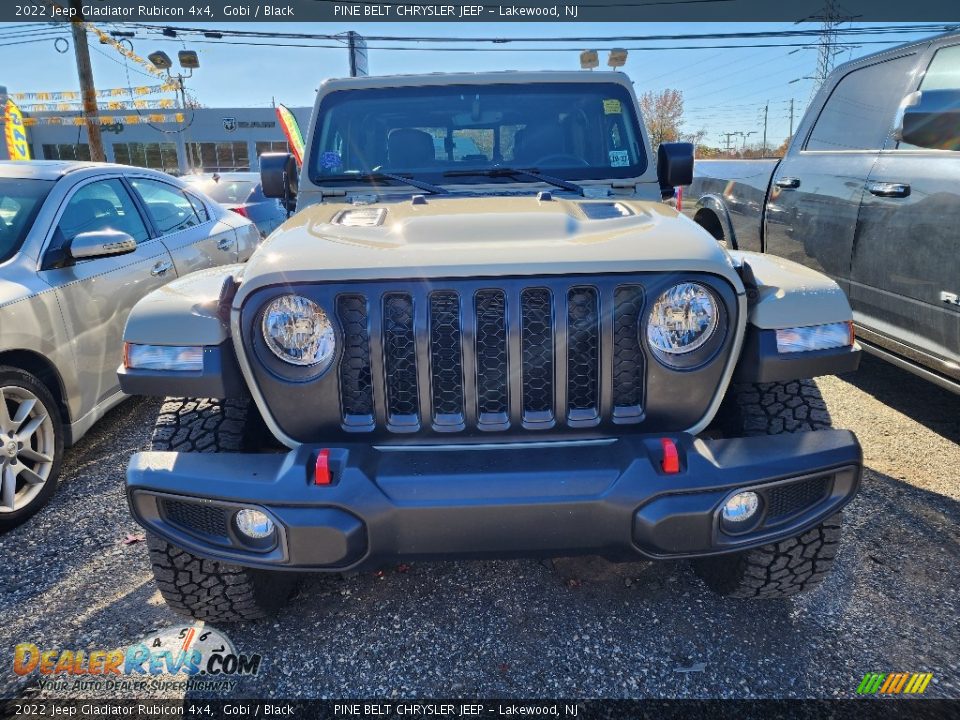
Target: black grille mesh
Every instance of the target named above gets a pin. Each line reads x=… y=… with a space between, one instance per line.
x=400 y=355
x=583 y=348
x=356 y=390
x=491 y=351
x=627 y=355
x=536 y=342
x=446 y=362
x=197 y=517
x=786 y=500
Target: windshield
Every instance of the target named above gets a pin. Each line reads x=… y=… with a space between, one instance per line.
x=567 y=130
x=224 y=191
x=20 y=201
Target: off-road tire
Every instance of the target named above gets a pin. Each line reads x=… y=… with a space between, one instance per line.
x=11 y=376
x=208 y=589
x=790 y=566
x=215 y=591
x=776 y=570
x=755 y=409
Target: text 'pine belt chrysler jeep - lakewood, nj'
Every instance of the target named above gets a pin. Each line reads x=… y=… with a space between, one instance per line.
x=483 y=334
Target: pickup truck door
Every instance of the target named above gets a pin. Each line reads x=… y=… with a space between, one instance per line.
x=815 y=193
x=196 y=238
x=905 y=281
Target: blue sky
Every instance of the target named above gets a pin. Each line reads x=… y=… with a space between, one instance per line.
x=724 y=89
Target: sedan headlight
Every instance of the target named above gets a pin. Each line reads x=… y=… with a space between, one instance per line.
x=682 y=319
x=298 y=331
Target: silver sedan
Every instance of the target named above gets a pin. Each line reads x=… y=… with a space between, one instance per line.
x=80 y=243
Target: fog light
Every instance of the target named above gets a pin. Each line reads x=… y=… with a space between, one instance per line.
x=254 y=524
x=740 y=508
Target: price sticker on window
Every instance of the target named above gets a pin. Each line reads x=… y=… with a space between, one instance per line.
x=611 y=107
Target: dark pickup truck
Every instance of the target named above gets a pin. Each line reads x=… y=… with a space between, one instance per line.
x=869 y=194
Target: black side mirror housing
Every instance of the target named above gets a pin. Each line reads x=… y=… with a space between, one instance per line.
x=932 y=120
x=280 y=178
x=674 y=165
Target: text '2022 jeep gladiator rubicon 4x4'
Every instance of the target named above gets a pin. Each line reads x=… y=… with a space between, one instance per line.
x=502 y=347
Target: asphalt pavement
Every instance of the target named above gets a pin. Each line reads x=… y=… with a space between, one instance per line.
x=77 y=577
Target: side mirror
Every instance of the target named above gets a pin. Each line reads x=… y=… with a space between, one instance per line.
x=279 y=178
x=101 y=243
x=674 y=165
x=931 y=119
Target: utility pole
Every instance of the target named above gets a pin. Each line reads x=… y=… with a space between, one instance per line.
x=766 y=112
x=791 y=118
x=728 y=136
x=87 y=90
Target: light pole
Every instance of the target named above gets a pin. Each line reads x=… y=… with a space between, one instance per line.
x=188 y=61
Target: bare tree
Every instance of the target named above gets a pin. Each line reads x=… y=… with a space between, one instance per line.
x=663 y=114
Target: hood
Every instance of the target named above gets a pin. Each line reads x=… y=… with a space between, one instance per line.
x=482 y=236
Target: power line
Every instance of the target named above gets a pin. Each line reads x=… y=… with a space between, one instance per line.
x=805 y=32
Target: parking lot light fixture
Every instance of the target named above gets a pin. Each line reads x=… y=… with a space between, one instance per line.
x=160 y=60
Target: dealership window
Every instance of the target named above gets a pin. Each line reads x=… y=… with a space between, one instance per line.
x=219 y=157
x=266 y=146
x=158 y=156
x=66 y=152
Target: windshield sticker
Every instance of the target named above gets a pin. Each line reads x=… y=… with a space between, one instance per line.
x=330 y=161
x=611 y=107
x=619 y=158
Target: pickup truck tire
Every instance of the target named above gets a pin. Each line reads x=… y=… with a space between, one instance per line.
x=790 y=566
x=209 y=589
x=31 y=446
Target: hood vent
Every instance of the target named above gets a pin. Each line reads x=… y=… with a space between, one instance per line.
x=366 y=217
x=605 y=210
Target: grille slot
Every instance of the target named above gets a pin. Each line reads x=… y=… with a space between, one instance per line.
x=446 y=360
x=536 y=343
x=786 y=500
x=197 y=518
x=491 y=352
x=583 y=354
x=531 y=354
x=628 y=365
x=356 y=388
x=400 y=360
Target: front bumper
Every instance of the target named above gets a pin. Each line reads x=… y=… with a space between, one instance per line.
x=606 y=497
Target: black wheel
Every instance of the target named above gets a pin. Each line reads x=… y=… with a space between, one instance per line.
x=790 y=566
x=193 y=586
x=31 y=446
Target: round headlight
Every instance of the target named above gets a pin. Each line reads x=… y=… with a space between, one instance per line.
x=298 y=331
x=682 y=319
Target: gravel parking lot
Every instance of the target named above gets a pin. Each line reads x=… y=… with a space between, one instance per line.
x=572 y=628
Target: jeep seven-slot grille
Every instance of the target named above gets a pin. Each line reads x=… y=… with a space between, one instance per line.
x=450 y=361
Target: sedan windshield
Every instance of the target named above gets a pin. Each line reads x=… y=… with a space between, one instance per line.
x=20 y=201
x=454 y=133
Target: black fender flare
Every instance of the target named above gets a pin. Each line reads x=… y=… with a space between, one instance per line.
x=714 y=204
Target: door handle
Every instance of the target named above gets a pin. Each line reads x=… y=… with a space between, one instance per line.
x=225 y=243
x=889 y=189
x=788 y=183
x=161 y=268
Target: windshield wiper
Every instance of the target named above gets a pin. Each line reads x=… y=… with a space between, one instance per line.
x=514 y=172
x=412 y=182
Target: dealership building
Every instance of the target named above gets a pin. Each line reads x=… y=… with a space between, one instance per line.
x=215 y=139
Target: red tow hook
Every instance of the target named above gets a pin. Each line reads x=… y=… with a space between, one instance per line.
x=671 y=458
x=321 y=472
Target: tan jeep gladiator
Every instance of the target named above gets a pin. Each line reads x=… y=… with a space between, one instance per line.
x=483 y=334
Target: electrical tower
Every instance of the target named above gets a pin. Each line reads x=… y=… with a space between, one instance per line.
x=831 y=17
